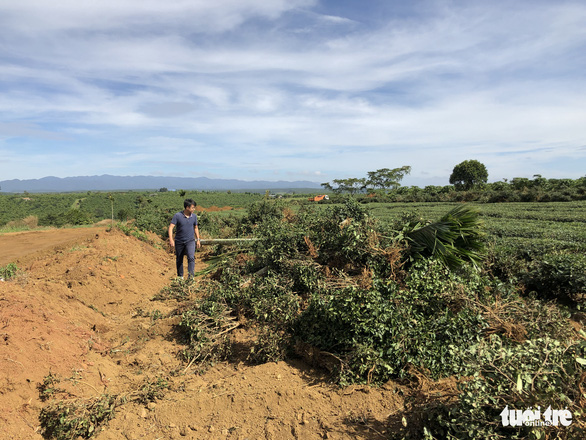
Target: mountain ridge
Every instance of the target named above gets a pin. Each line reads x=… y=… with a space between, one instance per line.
x=107 y=182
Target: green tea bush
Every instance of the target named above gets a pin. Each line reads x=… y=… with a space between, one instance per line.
x=278 y=241
x=154 y=220
x=332 y=279
x=179 y=289
x=271 y=300
x=561 y=277
x=270 y=345
x=260 y=212
x=218 y=225
x=267 y=299
x=306 y=278
x=344 y=236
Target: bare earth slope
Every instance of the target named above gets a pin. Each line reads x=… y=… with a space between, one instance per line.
x=82 y=311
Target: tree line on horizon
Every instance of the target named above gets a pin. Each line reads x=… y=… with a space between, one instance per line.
x=469 y=177
x=468 y=183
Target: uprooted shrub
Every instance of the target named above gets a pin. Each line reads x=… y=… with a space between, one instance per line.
x=371 y=303
x=533 y=376
x=376 y=333
x=68 y=419
x=331 y=279
x=155 y=220
x=206 y=326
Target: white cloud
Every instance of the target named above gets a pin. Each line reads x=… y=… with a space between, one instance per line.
x=235 y=78
x=196 y=15
x=25 y=129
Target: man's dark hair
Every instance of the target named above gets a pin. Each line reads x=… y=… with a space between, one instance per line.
x=188 y=202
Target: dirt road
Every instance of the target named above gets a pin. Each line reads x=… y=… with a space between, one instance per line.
x=15 y=245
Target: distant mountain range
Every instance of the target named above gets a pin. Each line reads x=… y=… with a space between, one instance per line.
x=119 y=183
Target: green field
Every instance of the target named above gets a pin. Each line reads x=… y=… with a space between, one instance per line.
x=90 y=207
x=537 y=226
x=553 y=226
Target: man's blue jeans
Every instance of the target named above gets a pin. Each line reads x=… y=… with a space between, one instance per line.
x=188 y=250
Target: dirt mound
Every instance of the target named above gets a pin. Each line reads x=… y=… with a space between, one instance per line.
x=82 y=315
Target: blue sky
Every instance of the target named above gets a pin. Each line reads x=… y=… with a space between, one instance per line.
x=292 y=89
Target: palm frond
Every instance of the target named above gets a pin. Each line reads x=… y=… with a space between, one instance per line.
x=454 y=239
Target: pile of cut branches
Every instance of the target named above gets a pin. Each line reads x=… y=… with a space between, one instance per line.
x=207 y=325
x=372 y=302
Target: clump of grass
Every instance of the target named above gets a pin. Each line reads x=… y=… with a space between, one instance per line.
x=137 y=233
x=152 y=390
x=9 y=271
x=156 y=315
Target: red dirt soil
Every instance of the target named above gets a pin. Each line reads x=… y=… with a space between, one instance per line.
x=82 y=310
x=213 y=209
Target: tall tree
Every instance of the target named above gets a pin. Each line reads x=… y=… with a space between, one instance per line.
x=351 y=185
x=468 y=174
x=386 y=178
x=327 y=186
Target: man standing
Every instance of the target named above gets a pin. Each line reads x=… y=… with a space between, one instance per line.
x=185 y=238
